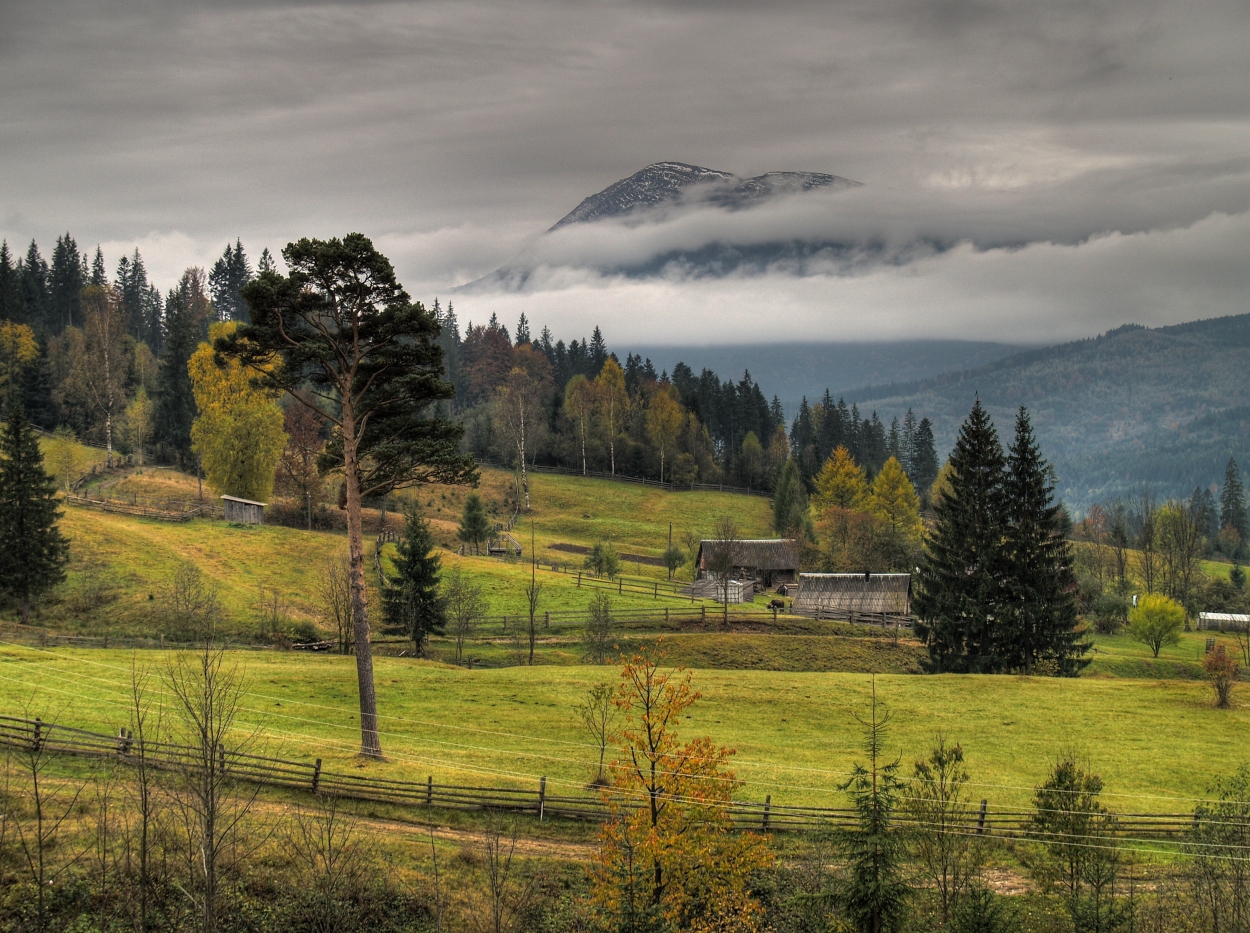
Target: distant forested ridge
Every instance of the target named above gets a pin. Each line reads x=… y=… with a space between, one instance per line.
x=1162 y=408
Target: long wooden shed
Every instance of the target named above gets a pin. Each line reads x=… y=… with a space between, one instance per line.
x=855 y=592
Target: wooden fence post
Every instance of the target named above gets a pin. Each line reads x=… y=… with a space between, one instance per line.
x=768 y=802
x=547 y=620
x=620 y=586
x=221 y=759
x=38 y=734
x=579 y=579
x=703 y=615
x=316 y=781
x=542 y=797
x=666 y=615
x=429 y=792
x=656 y=591
x=981 y=819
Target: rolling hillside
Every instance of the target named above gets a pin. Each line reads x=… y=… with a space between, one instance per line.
x=1164 y=407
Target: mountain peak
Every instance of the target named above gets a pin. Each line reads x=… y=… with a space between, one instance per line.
x=672 y=182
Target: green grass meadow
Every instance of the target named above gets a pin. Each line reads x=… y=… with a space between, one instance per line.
x=1158 y=744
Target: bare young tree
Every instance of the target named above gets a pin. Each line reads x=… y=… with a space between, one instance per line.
x=49 y=805
x=141 y=817
x=335 y=592
x=297 y=470
x=507 y=892
x=725 y=555
x=533 y=593
x=598 y=714
x=105 y=826
x=1119 y=540
x=329 y=848
x=189 y=603
x=946 y=851
x=1180 y=551
x=1145 y=517
x=207 y=690
x=465 y=605
x=600 y=628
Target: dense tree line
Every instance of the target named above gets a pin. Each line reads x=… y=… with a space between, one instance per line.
x=544 y=401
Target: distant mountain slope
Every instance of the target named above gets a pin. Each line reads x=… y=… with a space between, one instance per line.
x=1164 y=407
x=672 y=182
x=794 y=370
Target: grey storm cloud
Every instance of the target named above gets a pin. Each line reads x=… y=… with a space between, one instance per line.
x=1082 y=163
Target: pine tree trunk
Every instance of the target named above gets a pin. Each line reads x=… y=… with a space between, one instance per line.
x=370 y=744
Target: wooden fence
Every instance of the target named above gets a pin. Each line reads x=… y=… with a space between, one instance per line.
x=636 y=480
x=23 y=734
x=167 y=510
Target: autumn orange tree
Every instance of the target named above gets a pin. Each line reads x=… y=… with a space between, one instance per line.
x=668 y=859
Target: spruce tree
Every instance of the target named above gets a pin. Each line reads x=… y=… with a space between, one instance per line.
x=958 y=593
x=874 y=895
x=10 y=288
x=924 y=463
x=226 y=280
x=1233 y=500
x=33 y=553
x=66 y=281
x=789 y=500
x=175 y=398
x=99 y=276
x=474 y=523
x=1037 y=614
x=33 y=276
x=412 y=605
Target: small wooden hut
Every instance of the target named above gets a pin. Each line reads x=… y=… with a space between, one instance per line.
x=243 y=511
x=767 y=562
x=844 y=593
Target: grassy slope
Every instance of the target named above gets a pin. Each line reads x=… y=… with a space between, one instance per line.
x=133 y=557
x=1157 y=742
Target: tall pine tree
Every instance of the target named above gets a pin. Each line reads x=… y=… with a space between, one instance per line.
x=1233 y=500
x=10 y=288
x=957 y=599
x=226 y=280
x=66 y=281
x=412 y=605
x=33 y=277
x=1037 y=610
x=175 y=399
x=33 y=553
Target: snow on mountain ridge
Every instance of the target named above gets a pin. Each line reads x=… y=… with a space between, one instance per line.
x=671 y=182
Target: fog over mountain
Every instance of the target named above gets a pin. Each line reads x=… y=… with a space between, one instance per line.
x=1029 y=172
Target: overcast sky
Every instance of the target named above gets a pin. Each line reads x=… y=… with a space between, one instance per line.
x=1091 y=159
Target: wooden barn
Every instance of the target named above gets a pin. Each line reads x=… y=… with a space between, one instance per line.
x=842 y=593
x=769 y=562
x=243 y=511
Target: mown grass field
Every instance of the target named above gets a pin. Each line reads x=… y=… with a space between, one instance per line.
x=1158 y=744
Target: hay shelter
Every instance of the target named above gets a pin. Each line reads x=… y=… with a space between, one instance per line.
x=243 y=511
x=839 y=593
x=767 y=562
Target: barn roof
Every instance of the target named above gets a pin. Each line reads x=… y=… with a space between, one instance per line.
x=244 y=501
x=862 y=592
x=758 y=553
